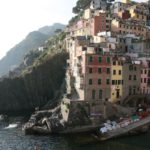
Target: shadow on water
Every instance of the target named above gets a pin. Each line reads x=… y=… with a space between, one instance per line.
x=140 y=142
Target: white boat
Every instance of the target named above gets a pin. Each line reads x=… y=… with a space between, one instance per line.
x=11 y=126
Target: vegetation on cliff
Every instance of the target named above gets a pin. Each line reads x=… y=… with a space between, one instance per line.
x=78 y=9
x=32 y=41
x=39 y=81
x=81 y=5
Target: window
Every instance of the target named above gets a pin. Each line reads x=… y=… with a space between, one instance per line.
x=108 y=70
x=110 y=46
x=120 y=72
x=148 y=72
x=99 y=81
x=119 y=82
x=145 y=80
x=130 y=67
x=113 y=82
x=93 y=94
x=100 y=94
x=145 y=71
x=148 y=81
x=116 y=82
x=135 y=77
x=130 y=90
x=130 y=77
x=100 y=59
x=90 y=59
x=99 y=70
x=108 y=59
x=114 y=63
x=90 y=70
x=114 y=72
x=90 y=81
x=135 y=68
x=107 y=81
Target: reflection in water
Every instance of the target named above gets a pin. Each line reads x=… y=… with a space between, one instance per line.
x=140 y=142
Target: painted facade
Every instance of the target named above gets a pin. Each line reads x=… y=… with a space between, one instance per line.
x=103 y=53
x=138 y=12
x=145 y=76
x=97 y=77
x=131 y=77
x=116 y=79
x=98 y=23
x=128 y=27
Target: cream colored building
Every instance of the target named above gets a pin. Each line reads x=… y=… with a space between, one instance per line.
x=128 y=27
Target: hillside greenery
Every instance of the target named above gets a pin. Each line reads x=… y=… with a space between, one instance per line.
x=32 y=41
x=39 y=81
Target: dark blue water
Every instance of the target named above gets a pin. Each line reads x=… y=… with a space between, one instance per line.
x=14 y=139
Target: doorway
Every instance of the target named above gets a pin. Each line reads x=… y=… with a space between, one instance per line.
x=117 y=93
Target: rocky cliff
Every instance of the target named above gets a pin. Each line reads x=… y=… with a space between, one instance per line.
x=35 y=88
x=37 y=81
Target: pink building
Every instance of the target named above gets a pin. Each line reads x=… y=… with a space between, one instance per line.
x=145 y=76
x=97 y=76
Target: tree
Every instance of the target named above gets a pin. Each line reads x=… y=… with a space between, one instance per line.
x=80 y=5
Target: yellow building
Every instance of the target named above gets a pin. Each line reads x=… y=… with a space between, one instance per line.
x=138 y=12
x=117 y=79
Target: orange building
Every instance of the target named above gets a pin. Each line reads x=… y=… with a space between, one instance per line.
x=100 y=23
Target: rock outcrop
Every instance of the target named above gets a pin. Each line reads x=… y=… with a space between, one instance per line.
x=45 y=122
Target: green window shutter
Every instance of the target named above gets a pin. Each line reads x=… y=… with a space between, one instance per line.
x=99 y=59
x=90 y=59
x=107 y=81
x=108 y=70
x=108 y=59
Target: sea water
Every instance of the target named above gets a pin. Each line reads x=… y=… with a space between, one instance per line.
x=13 y=138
